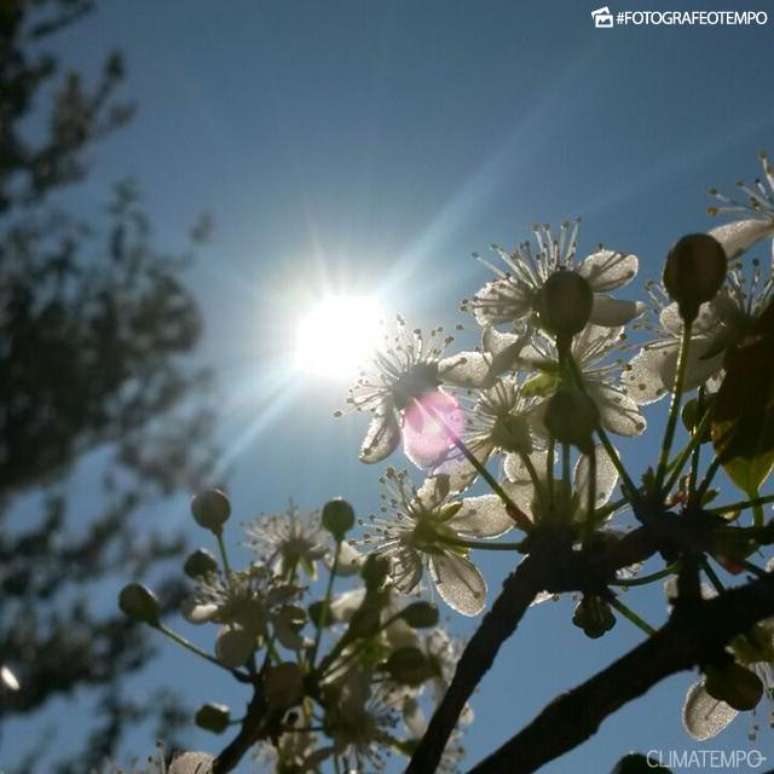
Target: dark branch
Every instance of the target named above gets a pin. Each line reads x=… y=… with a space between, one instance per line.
x=692 y=636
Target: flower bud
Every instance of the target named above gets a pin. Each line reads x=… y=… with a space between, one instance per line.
x=283 y=685
x=213 y=717
x=695 y=269
x=315 y=612
x=420 y=615
x=409 y=666
x=199 y=564
x=211 y=509
x=375 y=571
x=140 y=603
x=338 y=517
x=736 y=686
x=565 y=303
x=234 y=646
x=571 y=417
x=594 y=616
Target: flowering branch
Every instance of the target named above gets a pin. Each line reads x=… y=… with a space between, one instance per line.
x=691 y=637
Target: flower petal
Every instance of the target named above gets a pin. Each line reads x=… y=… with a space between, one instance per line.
x=610 y=312
x=741 y=235
x=618 y=413
x=607 y=270
x=651 y=373
x=502 y=300
x=465 y=369
x=458 y=470
x=703 y=715
x=345 y=604
x=383 y=435
x=433 y=491
x=459 y=583
x=505 y=349
x=606 y=478
x=482 y=517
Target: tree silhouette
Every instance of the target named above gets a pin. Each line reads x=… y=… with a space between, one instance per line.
x=95 y=324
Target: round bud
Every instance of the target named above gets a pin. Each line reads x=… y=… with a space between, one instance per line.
x=234 y=646
x=409 y=666
x=315 y=613
x=565 y=302
x=213 y=717
x=420 y=615
x=594 y=616
x=338 y=517
x=736 y=686
x=211 y=509
x=695 y=269
x=571 y=417
x=200 y=563
x=283 y=685
x=140 y=603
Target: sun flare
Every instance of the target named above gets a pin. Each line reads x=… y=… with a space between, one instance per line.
x=337 y=335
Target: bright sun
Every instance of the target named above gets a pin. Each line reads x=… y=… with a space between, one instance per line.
x=337 y=336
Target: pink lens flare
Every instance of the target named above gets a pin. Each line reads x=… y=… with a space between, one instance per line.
x=430 y=425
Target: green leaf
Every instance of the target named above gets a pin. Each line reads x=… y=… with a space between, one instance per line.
x=743 y=415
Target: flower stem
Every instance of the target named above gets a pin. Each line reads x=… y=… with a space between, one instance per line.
x=674 y=408
x=692 y=446
x=513 y=510
x=224 y=555
x=480 y=544
x=326 y=603
x=710 y=573
x=188 y=645
x=742 y=504
x=643 y=580
x=628 y=613
x=603 y=437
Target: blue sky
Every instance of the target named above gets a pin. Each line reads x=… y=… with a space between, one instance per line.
x=372 y=147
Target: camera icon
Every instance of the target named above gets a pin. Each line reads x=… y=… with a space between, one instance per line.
x=603 y=19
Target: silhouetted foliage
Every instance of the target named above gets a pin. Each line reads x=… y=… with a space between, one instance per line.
x=95 y=324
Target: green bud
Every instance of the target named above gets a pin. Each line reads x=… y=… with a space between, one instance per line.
x=375 y=571
x=233 y=646
x=594 y=616
x=565 y=302
x=139 y=603
x=200 y=563
x=211 y=509
x=735 y=685
x=338 y=517
x=315 y=611
x=213 y=717
x=695 y=270
x=571 y=417
x=283 y=685
x=420 y=615
x=409 y=666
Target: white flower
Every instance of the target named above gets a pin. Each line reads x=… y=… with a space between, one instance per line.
x=721 y=323
x=565 y=500
x=512 y=296
x=739 y=235
x=498 y=421
x=408 y=367
x=591 y=348
x=287 y=541
x=421 y=533
x=246 y=604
